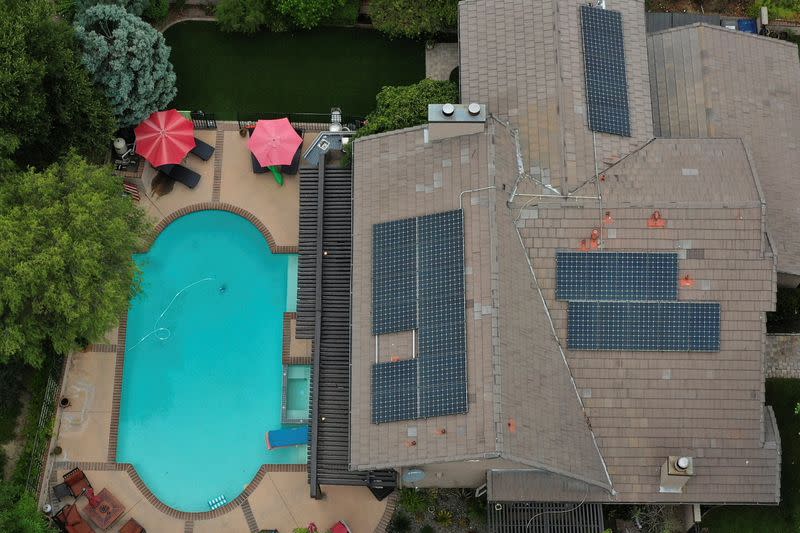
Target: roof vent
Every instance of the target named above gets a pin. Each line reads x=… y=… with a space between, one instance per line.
x=474 y=109
x=675 y=473
x=453 y=120
x=448 y=110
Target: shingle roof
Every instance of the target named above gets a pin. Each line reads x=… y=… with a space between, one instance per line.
x=525 y=60
x=707 y=81
x=529 y=397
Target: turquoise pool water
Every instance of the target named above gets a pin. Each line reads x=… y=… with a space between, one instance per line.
x=203 y=376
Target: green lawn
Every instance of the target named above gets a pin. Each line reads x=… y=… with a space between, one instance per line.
x=782 y=395
x=283 y=72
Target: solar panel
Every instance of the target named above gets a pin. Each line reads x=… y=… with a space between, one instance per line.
x=604 y=60
x=443 y=385
x=418 y=282
x=394 y=276
x=644 y=326
x=616 y=276
x=394 y=391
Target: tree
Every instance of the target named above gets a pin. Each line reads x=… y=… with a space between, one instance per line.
x=308 y=13
x=135 y=7
x=19 y=512
x=412 y=18
x=407 y=105
x=157 y=10
x=250 y=16
x=67 y=235
x=129 y=59
x=49 y=103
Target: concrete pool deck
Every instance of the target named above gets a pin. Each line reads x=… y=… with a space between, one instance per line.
x=86 y=430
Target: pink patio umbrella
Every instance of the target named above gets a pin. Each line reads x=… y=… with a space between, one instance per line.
x=164 y=138
x=274 y=142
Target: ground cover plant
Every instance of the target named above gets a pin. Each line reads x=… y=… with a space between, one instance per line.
x=285 y=72
x=412 y=18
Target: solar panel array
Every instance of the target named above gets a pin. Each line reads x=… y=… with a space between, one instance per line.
x=628 y=301
x=616 y=276
x=606 y=80
x=644 y=326
x=394 y=276
x=418 y=282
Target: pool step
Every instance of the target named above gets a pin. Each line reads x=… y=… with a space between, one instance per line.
x=216 y=503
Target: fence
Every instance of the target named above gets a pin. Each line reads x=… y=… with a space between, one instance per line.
x=203 y=121
x=41 y=441
x=306 y=121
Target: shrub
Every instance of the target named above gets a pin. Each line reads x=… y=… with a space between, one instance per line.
x=400 y=523
x=135 y=7
x=129 y=59
x=345 y=14
x=778 y=9
x=19 y=512
x=405 y=106
x=444 y=517
x=250 y=16
x=413 y=501
x=307 y=13
x=157 y=10
x=412 y=18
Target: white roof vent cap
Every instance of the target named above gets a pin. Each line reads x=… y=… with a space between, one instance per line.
x=683 y=463
x=474 y=109
x=448 y=110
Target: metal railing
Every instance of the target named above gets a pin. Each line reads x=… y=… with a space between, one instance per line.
x=203 y=120
x=306 y=121
x=41 y=440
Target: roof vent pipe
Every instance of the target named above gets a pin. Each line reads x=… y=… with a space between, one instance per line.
x=449 y=109
x=474 y=109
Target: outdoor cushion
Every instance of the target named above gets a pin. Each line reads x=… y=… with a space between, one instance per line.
x=202 y=149
x=257 y=168
x=76 y=481
x=179 y=173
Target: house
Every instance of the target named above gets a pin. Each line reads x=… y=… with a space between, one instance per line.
x=558 y=295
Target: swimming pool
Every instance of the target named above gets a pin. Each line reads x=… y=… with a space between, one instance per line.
x=203 y=374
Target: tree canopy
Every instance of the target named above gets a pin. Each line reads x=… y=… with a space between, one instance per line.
x=249 y=16
x=49 y=103
x=19 y=512
x=412 y=18
x=407 y=105
x=136 y=7
x=67 y=235
x=129 y=59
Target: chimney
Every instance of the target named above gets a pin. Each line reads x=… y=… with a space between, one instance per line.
x=452 y=120
x=675 y=473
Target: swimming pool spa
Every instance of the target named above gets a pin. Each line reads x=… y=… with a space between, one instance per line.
x=203 y=374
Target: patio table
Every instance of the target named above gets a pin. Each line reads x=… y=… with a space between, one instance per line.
x=106 y=512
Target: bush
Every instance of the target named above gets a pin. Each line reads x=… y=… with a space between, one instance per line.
x=129 y=59
x=157 y=10
x=444 y=517
x=135 y=7
x=778 y=9
x=308 y=13
x=400 y=523
x=413 y=501
x=405 y=106
x=413 y=18
x=345 y=14
x=19 y=512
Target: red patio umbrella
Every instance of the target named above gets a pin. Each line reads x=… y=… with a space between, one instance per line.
x=164 y=138
x=274 y=142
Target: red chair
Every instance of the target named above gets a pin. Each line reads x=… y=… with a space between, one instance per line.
x=340 y=527
x=71 y=520
x=76 y=481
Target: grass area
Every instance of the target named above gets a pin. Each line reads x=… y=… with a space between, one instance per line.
x=782 y=395
x=282 y=72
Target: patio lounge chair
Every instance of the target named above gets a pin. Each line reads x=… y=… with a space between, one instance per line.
x=132 y=526
x=70 y=520
x=187 y=176
x=202 y=150
x=257 y=168
x=76 y=481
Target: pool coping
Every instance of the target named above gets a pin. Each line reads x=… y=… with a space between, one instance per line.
x=119 y=366
x=218 y=206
